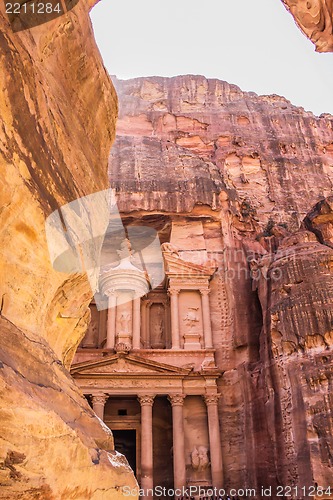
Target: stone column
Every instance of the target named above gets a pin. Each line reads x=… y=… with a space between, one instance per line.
x=98 y=402
x=214 y=440
x=111 y=323
x=174 y=318
x=147 y=479
x=179 y=467
x=136 y=323
x=207 y=326
x=145 y=323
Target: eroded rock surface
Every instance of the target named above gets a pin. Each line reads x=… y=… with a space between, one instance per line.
x=58 y=111
x=315 y=19
x=232 y=176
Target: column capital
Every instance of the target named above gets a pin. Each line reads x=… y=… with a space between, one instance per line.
x=204 y=292
x=174 y=291
x=176 y=399
x=109 y=292
x=99 y=398
x=211 y=399
x=146 y=400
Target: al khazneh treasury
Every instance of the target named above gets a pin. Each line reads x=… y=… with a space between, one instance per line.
x=148 y=367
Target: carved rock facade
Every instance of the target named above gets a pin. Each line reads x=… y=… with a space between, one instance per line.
x=245 y=313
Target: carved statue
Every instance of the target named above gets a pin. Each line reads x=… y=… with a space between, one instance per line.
x=200 y=459
x=191 y=318
x=125 y=251
x=124 y=322
x=122 y=347
x=195 y=459
x=158 y=329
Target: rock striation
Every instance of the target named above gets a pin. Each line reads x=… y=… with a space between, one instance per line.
x=315 y=19
x=53 y=149
x=245 y=181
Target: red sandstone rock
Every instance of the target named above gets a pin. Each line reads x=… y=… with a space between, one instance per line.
x=208 y=133
x=315 y=19
x=58 y=111
x=231 y=175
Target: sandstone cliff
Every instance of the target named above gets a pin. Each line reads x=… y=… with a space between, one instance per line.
x=230 y=176
x=315 y=19
x=58 y=111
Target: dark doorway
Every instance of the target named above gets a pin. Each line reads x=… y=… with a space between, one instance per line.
x=125 y=443
x=162 y=442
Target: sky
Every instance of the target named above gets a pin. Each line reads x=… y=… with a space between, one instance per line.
x=254 y=44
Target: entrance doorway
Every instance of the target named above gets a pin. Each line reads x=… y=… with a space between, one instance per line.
x=125 y=443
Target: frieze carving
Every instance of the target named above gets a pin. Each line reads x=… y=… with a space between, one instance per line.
x=125 y=384
x=123 y=347
x=122 y=366
x=147 y=400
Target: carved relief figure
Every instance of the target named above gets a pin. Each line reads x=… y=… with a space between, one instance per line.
x=191 y=318
x=125 y=251
x=157 y=326
x=199 y=459
x=124 y=322
x=91 y=337
x=158 y=330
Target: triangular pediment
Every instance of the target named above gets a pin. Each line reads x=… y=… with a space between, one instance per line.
x=176 y=266
x=126 y=365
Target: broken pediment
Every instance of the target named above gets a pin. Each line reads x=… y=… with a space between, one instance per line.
x=175 y=266
x=122 y=364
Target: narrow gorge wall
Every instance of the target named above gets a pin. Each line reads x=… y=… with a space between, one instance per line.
x=58 y=110
x=230 y=176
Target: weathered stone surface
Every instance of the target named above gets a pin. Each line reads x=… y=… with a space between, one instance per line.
x=315 y=19
x=296 y=360
x=241 y=172
x=320 y=221
x=207 y=136
x=58 y=111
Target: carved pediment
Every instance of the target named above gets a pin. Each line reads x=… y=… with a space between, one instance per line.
x=122 y=364
x=174 y=266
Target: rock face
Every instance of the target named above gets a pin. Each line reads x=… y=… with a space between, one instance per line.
x=210 y=135
x=315 y=19
x=232 y=177
x=53 y=149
